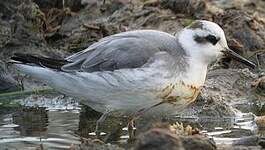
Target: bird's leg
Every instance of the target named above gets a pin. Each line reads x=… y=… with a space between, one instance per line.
x=140 y=112
x=136 y=115
x=100 y=121
x=63 y=4
x=131 y=130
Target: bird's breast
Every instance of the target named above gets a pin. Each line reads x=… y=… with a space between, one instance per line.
x=179 y=91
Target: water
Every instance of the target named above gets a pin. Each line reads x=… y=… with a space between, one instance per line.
x=48 y=121
x=57 y=122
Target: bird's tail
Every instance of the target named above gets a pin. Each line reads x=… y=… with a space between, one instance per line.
x=38 y=67
x=45 y=62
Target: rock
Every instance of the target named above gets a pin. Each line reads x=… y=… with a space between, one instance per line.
x=247 y=30
x=235 y=4
x=260 y=121
x=77 y=31
x=45 y=5
x=262 y=142
x=232 y=147
x=213 y=106
x=27 y=24
x=89 y=144
x=247 y=141
x=23 y=29
x=230 y=85
x=189 y=7
x=198 y=142
x=157 y=139
x=259 y=85
x=163 y=138
x=8 y=8
x=87 y=34
x=110 y=6
x=5 y=33
x=7 y=83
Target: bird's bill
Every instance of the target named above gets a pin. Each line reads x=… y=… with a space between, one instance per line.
x=234 y=55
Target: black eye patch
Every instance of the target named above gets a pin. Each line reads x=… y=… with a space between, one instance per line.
x=212 y=39
x=209 y=38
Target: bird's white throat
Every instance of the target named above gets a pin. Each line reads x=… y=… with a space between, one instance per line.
x=196 y=72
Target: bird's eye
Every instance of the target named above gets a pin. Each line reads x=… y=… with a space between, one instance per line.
x=212 y=39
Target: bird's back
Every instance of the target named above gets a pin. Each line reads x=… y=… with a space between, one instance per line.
x=125 y=50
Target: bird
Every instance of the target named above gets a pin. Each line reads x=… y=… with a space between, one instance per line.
x=136 y=71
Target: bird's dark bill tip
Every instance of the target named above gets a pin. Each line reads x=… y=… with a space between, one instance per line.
x=239 y=58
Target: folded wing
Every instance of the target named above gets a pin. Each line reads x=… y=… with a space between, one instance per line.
x=124 y=50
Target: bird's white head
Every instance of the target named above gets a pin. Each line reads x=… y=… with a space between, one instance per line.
x=205 y=41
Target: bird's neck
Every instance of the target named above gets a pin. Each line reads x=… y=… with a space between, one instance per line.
x=195 y=73
x=196 y=70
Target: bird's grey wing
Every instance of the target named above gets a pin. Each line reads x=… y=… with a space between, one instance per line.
x=125 y=50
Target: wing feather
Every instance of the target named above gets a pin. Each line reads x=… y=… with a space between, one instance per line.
x=125 y=50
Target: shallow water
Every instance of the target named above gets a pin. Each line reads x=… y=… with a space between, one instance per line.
x=57 y=122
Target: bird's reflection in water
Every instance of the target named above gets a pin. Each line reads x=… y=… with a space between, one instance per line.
x=32 y=121
x=113 y=125
x=111 y=129
x=114 y=128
